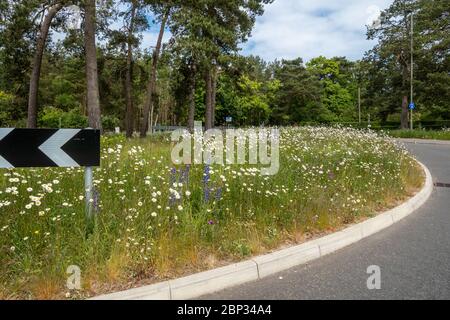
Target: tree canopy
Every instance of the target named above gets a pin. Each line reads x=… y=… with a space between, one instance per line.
x=200 y=74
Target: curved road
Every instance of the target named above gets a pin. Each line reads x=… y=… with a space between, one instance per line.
x=413 y=255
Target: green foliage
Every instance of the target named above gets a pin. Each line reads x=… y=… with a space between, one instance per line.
x=206 y=29
x=336 y=83
x=206 y=34
x=324 y=68
x=6 y=109
x=109 y=123
x=51 y=117
x=388 y=64
x=66 y=101
x=299 y=95
x=17 y=34
x=252 y=103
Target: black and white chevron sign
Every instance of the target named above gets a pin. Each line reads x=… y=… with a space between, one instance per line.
x=21 y=148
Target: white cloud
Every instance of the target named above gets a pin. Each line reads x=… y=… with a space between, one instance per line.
x=149 y=38
x=300 y=28
x=309 y=28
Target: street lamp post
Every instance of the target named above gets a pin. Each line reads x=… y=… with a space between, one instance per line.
x=412 y=70
x=359 y=104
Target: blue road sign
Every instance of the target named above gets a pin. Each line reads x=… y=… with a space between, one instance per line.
x=229 y=119
x=412 y=106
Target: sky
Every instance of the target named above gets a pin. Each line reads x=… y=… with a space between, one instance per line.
x=304 y=28
x=308 y=28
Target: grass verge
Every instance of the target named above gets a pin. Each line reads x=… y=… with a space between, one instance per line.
x=158 y=221
x=421 y=134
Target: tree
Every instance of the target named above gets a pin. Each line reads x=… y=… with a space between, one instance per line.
x=253 y=101
x=337 y=78
x=388 y=63
x=211 y=30
x=299 y=96
x=135 y=21
x=200 y=75
x=191 y=50
x=52 y=10
x=129 y=114
x=394 y=39
x=93 y=96
x=18 y=32
x=432 y=60
x=192 y=85
x=152 y=81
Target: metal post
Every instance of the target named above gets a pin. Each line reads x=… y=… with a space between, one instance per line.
x=89 y=197
x=359 y=104
x=412 y=68
x=88 y=186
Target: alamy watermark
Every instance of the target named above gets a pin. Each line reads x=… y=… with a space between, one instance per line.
x=374 y=280
x=73 y=281
x=231 y=146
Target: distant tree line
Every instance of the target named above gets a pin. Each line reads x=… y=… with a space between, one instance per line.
x=99 y=76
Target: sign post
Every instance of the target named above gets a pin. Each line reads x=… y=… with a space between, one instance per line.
x=89 y=186
x=359 y=105
x=25 y=148
x=412 y=106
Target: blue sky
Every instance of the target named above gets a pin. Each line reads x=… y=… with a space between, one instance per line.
x=304 y=28
x=308 y=28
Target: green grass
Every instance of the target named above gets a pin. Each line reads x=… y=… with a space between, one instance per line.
x=421 y=134
x=328 y=177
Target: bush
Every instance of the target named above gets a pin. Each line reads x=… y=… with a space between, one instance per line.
x=109 y=123
x=6 y=108
x=51 y=117
x=66 y=101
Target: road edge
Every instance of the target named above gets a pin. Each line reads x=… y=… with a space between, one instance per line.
x=423 y=141
x=259 y=267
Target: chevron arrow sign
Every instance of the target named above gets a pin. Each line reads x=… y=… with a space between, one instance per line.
x=20 y=148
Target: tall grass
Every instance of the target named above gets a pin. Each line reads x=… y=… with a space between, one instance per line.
x=157 y=221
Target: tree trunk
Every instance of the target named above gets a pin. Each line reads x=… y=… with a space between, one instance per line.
x=93 y=96
x=152 y=82
x=192 y=101
x=129 y=115
x=404 y=115
x=37 y=62
x=208 y=102
x=213 y=96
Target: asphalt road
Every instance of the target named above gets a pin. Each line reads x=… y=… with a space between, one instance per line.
x=413 y=255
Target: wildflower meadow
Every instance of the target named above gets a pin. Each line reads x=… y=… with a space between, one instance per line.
x=155 y=220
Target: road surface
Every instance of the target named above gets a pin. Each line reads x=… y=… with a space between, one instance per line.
x=413 y=255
